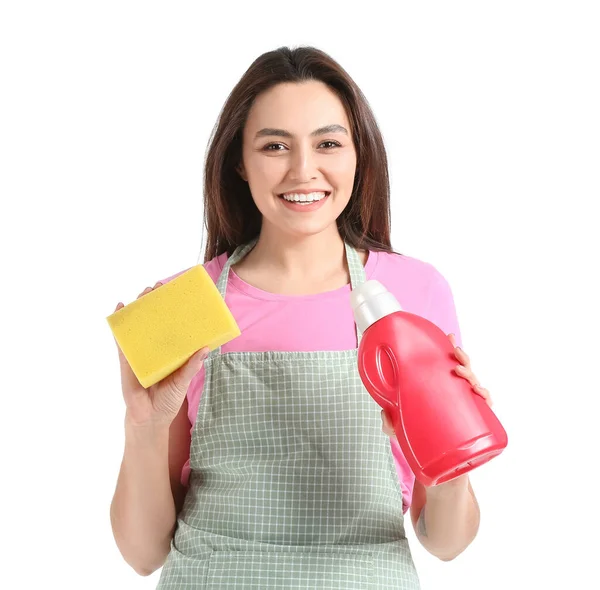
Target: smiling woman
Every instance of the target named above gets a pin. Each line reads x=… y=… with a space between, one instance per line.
x=279 y=474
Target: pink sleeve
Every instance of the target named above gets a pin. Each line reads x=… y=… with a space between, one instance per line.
x=441 y=309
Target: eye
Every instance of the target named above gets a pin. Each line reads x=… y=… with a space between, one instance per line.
x=268 y=147
x=333 y=143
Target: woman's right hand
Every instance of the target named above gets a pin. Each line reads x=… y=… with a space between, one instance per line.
x=160 y=403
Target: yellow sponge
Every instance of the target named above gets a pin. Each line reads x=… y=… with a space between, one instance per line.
x=160 y=331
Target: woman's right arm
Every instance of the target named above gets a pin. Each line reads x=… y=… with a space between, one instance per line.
x=149 y=493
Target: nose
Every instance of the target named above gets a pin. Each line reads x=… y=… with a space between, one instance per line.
x=303 y=166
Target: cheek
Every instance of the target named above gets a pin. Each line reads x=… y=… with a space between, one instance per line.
x=263 y=170
x=342 y=167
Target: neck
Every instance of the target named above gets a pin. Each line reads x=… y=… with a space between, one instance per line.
x=299 y=256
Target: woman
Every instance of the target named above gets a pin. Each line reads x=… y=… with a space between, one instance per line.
x=263 y=464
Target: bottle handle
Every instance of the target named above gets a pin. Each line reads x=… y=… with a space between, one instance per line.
x=381 y=373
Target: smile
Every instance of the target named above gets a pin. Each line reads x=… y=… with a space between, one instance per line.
x=304 y=203
x=303 y=199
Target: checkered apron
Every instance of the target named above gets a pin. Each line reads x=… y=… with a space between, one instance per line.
x=293 y=483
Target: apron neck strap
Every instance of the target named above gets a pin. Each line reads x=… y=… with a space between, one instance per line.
x=355 y=268
x=237 y=255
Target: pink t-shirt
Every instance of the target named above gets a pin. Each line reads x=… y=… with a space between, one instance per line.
x=270 y=322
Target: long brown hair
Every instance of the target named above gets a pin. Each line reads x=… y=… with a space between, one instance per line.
x=231 y=218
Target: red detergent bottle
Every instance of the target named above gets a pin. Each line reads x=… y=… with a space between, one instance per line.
x=407 y=363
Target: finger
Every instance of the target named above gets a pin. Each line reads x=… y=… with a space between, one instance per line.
x=484 y=393
x=466 y=373
x=184 y=375
x=144 y=292
x=462 y=356
x=386 y=425
x=472 y=379
x=452 y=339
x=119 y=306
x=463 y=371
x=148 y=289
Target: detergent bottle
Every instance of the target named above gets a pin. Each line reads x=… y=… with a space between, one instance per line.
x=407 y=363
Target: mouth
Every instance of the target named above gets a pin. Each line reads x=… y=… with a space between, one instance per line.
x=302 y=200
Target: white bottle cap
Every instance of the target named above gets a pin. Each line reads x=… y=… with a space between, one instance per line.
x=370 y=302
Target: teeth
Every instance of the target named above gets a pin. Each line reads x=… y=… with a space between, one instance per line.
x=310 y=198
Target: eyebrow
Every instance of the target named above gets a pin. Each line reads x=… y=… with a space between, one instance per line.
x=269 y=131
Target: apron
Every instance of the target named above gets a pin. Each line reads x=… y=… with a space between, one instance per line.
x=293 y=483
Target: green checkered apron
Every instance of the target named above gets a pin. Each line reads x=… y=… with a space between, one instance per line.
x=293 y=484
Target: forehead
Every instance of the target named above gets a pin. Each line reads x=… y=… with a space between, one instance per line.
x=298 y=107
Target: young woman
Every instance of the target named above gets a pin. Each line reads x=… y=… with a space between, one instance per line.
x=263 y=464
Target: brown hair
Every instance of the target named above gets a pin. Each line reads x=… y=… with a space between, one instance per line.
x=230 y=215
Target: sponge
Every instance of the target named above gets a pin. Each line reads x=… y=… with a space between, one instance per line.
x=160 y=331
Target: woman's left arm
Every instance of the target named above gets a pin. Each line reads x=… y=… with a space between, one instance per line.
x=446 y=516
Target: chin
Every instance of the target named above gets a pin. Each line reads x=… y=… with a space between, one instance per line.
x=313 y=228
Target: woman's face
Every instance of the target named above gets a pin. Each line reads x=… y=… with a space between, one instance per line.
x=297 y=142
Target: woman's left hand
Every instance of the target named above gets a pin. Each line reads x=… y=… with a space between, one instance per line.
x=462 y=370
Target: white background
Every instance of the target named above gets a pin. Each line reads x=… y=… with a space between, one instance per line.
x=490 y=113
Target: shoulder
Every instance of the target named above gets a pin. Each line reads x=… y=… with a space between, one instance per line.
x=213 y=268
x=420 y=288
x=403 y=270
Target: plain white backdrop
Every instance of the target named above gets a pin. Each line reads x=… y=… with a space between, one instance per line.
x=491 y=121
